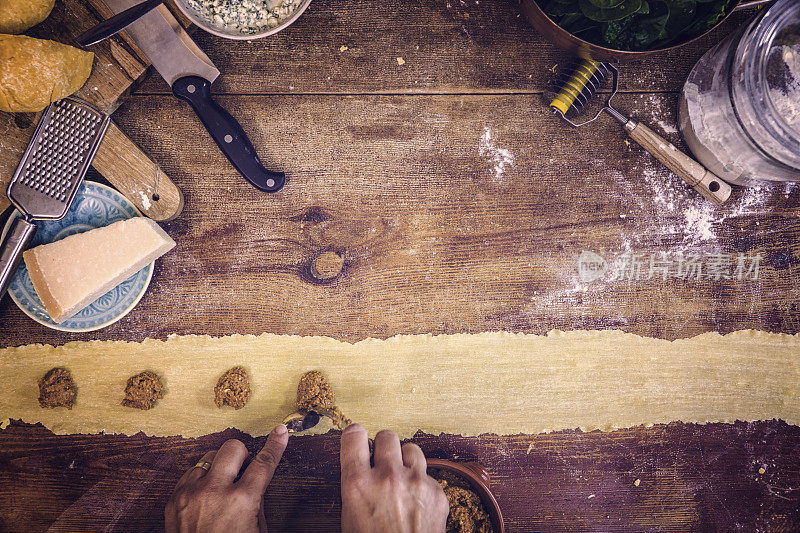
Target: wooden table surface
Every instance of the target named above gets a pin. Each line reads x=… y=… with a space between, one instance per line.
x=458 y=204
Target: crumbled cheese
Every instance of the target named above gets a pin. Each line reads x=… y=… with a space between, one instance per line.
x=245 y=16
x=401 y=61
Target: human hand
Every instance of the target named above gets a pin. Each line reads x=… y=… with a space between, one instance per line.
x=211 y=501
x=396 y=494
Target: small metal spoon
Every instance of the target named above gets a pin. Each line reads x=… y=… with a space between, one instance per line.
x=301 y=421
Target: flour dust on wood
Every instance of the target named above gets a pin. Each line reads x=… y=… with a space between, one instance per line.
x=500 y=159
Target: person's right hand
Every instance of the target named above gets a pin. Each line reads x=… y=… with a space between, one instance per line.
x=396 y=495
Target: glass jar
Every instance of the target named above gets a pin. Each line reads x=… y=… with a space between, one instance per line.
x=739 y=110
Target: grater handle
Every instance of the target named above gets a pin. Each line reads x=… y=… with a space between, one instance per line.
x=17 y=239
x=704 y=181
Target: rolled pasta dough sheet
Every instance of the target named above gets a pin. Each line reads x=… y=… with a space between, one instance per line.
x=467 y=384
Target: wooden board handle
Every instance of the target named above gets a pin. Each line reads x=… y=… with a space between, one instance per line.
x=136 y=176
x=704 y=181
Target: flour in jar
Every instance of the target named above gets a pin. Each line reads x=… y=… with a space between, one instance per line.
x=784 y=73
x=740 y=107
x=245 y=16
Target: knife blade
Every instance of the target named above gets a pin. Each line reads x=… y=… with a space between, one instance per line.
x=190 y=73
x=117 y=23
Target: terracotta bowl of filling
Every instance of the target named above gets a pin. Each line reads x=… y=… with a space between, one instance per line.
x=249 y=20
x=478 y=479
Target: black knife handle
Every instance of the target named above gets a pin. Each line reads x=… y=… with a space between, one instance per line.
x=227 y=133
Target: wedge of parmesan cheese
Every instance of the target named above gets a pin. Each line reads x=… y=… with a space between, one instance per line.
x=70 y=274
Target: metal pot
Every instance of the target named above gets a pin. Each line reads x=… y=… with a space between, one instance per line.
x=565 y=40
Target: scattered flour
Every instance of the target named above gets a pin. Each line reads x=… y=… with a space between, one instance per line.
x=751 y=202
x=656 y=110
x=666 y=208
x=699 y=222
x=659 y=212
x=667 y=128
x=499 y=157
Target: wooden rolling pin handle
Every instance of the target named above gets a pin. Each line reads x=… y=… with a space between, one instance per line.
x=704 y=181
x=136 y=176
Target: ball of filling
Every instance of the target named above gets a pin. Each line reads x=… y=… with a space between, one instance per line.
x=314 y=393
x=233 y=388
x=143 y=391
x=57 y=389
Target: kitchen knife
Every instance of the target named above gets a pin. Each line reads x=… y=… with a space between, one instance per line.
x=190 y=73
x=117 y=23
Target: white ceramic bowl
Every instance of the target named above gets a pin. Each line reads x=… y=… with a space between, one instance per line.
x=221 y=31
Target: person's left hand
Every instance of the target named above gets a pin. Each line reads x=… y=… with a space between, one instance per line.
x=211 y=501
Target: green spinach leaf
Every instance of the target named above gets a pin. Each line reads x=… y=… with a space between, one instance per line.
x=645 y=29
x=606 y=4
x=681 y=14
x=559 y=8
x=605 y=15
x=708 y=17
x=637 y=24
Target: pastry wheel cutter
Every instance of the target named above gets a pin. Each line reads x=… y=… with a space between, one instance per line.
x=52 y=168
x=579 y=81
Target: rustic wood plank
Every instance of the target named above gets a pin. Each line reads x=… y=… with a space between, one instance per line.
x=690 y=478
x=436 y=235
x=116 y=68
x=439 y=232
x=449 y=46
x=141 y=180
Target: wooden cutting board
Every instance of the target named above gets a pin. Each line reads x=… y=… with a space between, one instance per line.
x=118 y=66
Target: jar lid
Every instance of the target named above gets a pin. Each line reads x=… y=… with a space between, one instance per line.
x=769 y=59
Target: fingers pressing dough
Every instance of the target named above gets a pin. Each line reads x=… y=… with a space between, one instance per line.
x=17 y=16
x=35 y=72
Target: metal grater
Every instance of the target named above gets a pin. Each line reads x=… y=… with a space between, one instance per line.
x=51 y=170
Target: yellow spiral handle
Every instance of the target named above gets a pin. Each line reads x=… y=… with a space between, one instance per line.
x=574 y=85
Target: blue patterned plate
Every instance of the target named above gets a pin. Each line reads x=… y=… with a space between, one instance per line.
x=95 y=206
